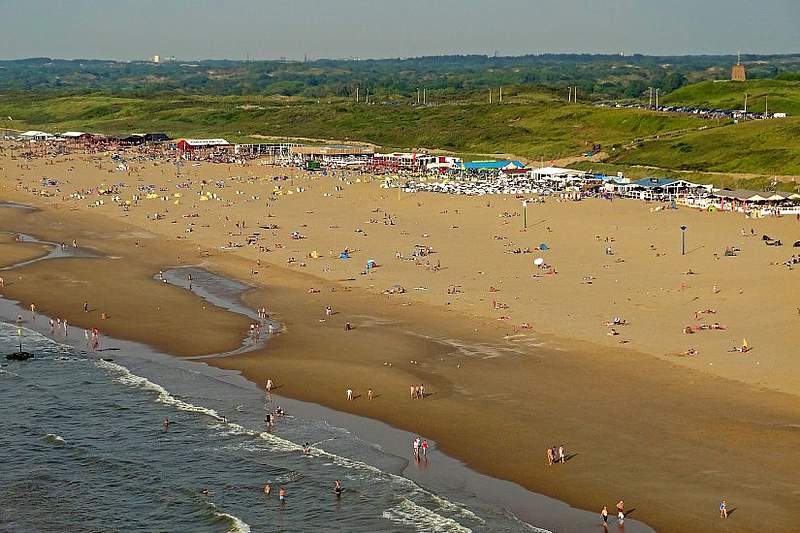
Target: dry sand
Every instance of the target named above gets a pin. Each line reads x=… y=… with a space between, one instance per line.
x=672 y=435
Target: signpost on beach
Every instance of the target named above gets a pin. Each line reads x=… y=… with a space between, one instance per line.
x=525 y=214
x=683 y=240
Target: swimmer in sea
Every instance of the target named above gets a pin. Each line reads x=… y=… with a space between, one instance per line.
x=205 y=492
x=282 y=494
x=337 y=488
x=166 y=423
x=267 y=489
x=306 y=449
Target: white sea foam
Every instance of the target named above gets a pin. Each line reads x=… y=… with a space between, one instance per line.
x=55 y=439
x=409 y=513
x=237 y=524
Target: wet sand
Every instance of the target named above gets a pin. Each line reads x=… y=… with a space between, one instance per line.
x=664 y=433
x=13 y=253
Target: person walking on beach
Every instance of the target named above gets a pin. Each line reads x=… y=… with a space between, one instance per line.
x=723 y=509
x=422 y=391
x=350 y=395
x=604 y=516
x=2 y=282
x=561 y=457
x=33 y=312
x=85 y=307
x=424 y=447
x=369 y=394
x=416 y=448
x=621 y=511
x=549 y=456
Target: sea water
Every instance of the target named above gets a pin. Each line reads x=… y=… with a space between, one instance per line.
x=83 y=448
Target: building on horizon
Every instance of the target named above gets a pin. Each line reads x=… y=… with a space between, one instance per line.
x=737 y=72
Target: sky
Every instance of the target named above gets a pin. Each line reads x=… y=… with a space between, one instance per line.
x=293 y=29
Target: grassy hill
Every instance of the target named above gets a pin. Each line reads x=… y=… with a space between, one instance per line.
x=760 y=147
x=784 y=96
x=529 y=124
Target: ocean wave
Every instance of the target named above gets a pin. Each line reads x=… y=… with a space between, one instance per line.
x=275 y=443
x=126 y=377
x=236 y=524
x=409 y=513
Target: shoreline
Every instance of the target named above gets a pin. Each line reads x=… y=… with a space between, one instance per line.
x=644 y=379
x=539 y=512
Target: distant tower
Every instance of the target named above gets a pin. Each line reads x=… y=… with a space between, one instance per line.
x=737 y=72
x=156 y=58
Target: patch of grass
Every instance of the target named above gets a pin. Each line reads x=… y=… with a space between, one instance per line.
x=758 y=147
x=782 y=96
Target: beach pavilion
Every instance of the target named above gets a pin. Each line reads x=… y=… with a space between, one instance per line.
x=745 y=200
x=662 y=189
x=558 y=178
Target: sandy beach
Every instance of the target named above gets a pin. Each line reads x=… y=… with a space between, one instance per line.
x=514 y=358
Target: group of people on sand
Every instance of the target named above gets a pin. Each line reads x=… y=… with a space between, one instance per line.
x=417 y=391
x=556 y=454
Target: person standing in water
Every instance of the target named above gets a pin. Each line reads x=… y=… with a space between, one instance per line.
x=166 y=423
x=282 y=495
x=604 y=516
x=337 y=488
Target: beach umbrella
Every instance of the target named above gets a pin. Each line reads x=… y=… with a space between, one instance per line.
x=538 y=261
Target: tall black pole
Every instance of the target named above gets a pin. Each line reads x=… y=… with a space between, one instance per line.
x=683 y=240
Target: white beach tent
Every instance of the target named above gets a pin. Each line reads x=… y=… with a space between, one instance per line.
x=35 y=135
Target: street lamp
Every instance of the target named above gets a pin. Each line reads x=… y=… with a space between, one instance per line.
x=683 y=240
